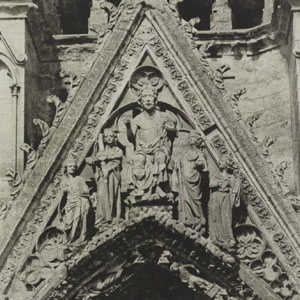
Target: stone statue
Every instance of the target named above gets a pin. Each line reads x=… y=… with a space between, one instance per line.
x=185 y=273
x=187 y=181
x=152 y=133
x=141 y=178
x=107 y=160
x=225 y=189
x=75 y=212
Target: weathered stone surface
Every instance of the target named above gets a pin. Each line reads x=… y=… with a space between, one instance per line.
x=187 y=157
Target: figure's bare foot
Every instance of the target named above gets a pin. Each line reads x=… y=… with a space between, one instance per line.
x=170 y=197
x=154 y=197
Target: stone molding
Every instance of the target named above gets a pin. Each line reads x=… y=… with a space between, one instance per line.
x=13 y=10
x=261 y=195
x=148 y=226
x=16 y=57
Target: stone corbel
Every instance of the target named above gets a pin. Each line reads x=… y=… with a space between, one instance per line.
x=12 y=10
x=15 y=90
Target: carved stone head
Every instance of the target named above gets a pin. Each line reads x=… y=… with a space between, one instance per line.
x=195 y=139
x=148 y=98
x=70 y=167
x=138 y=167
x=109 y=136
x=225 y=162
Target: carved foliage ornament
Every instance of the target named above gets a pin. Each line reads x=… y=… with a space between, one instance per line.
x=251 y=246
x=46 y=261
x=77 y=149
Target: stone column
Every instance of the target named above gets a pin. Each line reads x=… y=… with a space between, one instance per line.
x=220 y=19
x=98 y=17
x=268 y=11
x=13 y=30
x=294 y=69
x=15 y=90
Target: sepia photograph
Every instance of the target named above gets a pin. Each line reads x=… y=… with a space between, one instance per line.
x=149 y=150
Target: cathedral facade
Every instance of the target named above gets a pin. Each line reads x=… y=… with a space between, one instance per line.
x=150 y=149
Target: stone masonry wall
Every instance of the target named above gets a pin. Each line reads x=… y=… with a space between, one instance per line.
x=266 y=79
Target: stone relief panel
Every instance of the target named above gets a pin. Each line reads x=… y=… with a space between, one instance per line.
x=147 y=152
x=136 y=159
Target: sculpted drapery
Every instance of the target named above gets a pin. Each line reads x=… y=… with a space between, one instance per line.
x=152 y=133
x=187 y=181
x=225 y=190
x=107 y=161
x=74 y=214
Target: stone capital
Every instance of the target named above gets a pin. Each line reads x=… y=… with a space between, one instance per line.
x=12 y=10
x=15 y=89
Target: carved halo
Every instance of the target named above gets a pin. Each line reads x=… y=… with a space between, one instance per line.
x=146 y=76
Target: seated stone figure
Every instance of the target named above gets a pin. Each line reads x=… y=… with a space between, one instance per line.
x=152 y=133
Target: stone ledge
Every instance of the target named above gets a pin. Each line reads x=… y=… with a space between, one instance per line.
x=12 y=10
x=66 y=39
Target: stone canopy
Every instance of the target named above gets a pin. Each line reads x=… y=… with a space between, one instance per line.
x=145 y=43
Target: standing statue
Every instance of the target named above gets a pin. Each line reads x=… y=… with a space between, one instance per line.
x=188 y=180
x=74 y=212
x=152 y=133
x=107 y=160
x=225 y=190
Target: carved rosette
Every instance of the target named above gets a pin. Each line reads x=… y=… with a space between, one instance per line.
x=247 y=249
x=47 y=260
x=123 y=236
x=250 y=244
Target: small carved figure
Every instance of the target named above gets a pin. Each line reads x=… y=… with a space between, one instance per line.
x=187 y=181
x=141 y=178
x=108 y=160
x=185 y=273
x=225 y=189
x=152 y=132
x=74 y=214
